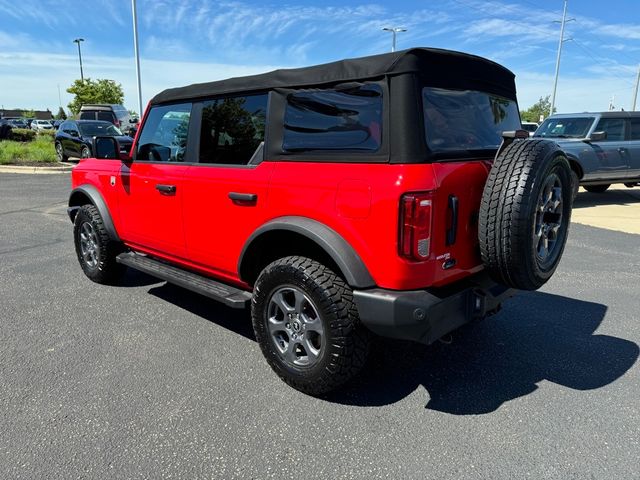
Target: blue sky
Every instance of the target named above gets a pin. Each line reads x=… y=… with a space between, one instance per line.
x=188 y=41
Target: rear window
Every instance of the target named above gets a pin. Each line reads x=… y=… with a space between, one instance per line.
x=464 y=120
x=87 y=115
x=565 y=127
x=105 y=116
x=344 y=119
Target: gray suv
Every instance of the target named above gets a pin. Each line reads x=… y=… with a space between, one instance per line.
x=602 y=148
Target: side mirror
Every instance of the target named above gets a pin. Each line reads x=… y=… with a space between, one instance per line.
x=596 y=137
x=106 y=148
x=74 y=133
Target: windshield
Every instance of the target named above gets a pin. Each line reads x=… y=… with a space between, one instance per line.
x=94 y=129
x=466 y=120
x=566 y=127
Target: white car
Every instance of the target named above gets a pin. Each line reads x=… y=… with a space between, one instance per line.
x=530 y=127
x=41 y=125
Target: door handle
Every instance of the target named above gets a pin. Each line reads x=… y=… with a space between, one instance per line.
x=166 y=189
x=243 y=198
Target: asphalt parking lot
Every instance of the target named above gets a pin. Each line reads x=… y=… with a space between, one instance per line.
x=147 y=380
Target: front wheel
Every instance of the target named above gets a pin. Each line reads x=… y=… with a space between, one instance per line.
x=85 y=152
x=307 y=325
x=95 y=249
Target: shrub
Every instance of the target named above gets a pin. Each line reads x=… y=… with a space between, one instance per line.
x=22 y=135
x=50 y=134
x=38 y=151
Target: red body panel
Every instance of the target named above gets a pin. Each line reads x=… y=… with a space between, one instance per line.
x=201 y=227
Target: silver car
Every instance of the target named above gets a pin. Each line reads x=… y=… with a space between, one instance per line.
x=41 y=125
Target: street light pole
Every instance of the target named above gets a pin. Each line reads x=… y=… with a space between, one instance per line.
x=635 y=91
x=394 y=31
x=137 y=55
x=78 y=40
x=555 y=81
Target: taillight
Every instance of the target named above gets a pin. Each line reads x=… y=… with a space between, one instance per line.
x=415 y=225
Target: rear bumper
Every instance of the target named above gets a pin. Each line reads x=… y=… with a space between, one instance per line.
x=426 y=315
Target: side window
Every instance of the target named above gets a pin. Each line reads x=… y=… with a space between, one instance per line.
x=106 y=116
x=614 y=128
x=635 y=128
x=164 y=135
x=232 y=129
x=345 y=119
x=87 y=115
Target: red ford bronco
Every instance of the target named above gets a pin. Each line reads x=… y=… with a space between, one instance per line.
x=392 y=194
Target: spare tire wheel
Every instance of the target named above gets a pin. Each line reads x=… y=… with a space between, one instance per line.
x=525 y=213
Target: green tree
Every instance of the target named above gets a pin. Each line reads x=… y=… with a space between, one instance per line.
x=61 y=115
x=28 y=113
x=541 y=107
x=101 y=90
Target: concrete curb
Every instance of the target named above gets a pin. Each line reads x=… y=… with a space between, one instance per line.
x=31 y=169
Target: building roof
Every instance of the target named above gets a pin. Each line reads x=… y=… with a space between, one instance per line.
x=439 y=68
x=40 y=114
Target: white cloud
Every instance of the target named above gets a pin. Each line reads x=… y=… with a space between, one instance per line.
x=31 y=91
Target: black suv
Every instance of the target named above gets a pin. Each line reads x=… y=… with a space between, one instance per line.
x=74 y=138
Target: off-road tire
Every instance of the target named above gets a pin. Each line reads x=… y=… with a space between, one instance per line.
x=509 y=213
x=60 y=152
x=346 y=344
x=596 y=188
x=106 y=270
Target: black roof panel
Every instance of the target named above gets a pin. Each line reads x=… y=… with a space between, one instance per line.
x=439 y=68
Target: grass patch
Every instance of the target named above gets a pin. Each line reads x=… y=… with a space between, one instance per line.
x=36 y=152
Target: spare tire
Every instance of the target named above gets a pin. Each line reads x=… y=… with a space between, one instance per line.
x=525 y=213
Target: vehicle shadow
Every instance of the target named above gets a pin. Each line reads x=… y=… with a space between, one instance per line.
x=628 y=196
x=136 y=278
x=536 y=337
x=235 y=320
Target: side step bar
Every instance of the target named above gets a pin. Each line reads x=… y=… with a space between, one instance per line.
x=231 y=296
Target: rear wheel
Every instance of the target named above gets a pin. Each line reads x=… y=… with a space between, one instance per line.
x=596 y=188
x=307 y=325
x=525 y=213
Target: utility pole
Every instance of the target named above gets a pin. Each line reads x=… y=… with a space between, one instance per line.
x=394 y=31
x=78 y=40
x=562 y=40
x=611 y=104
x=635 y=91
x=137 y=55
x=59 y=96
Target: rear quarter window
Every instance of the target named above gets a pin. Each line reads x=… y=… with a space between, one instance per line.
x=463 y=120
x=344 y=119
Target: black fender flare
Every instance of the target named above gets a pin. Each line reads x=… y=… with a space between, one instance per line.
x=96 y=199
x=348 y=261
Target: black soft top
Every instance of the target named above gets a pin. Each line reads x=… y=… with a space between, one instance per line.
x=436 y=68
